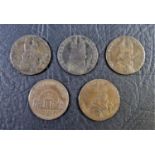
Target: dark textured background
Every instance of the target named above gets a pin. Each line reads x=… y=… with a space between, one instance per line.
x=137 y=91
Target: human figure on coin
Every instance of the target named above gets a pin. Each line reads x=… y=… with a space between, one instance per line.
x=30 y=54
x=125 y=58
x=77 y=56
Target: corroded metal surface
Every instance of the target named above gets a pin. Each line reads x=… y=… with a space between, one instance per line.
x=99 y=99
x=30 y=54
x=77 y=55
x=48 y=99
x=125 y=55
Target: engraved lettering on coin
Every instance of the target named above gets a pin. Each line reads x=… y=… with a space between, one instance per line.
x=77 y=55
x=30 y=54
x=99 y=100
x=48 y=99
x=125 y=55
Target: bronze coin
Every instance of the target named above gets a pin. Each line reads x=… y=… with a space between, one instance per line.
x=125 y=55
x=77 y=55
x=30 y=54
x=48 y=99
x=99 y=100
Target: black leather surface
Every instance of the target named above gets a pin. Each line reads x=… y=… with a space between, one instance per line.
x=137 y=91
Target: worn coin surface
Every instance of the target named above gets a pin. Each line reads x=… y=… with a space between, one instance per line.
x=77 y=55
x=48 y=99
x=30 y=54
x=125 y=55
x=99 y=100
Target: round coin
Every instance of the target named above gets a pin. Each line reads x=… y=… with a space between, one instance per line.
x=30 y=54
x=48 y=99
x=77 y=55
x=99 y=100
x=125 y=55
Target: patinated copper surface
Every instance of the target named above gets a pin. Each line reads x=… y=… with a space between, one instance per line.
x=48 y=99
x=125 y=55
x=30 y=54
x=99 y=99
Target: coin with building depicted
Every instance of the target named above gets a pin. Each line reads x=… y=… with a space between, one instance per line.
x=48 y=99
x=30 y=54
x=125 y=55
x=77 y=55
x=99 y=100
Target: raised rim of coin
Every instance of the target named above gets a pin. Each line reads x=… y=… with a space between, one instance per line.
x=84 y=111
x=113 y=42
x=34 y=90
x=31 y=36
x=61 y=49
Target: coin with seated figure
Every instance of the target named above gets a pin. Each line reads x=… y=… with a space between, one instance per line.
x=77 y=55
x=125 y=55
x=30 y=54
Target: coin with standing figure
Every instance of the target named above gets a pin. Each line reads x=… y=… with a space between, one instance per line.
x=77 y=55
x=30 y=54
x=99 y=100
x=48 y=99
x=125 y=55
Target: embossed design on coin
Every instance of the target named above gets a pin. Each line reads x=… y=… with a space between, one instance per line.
x=48 y=99
x=30 y=54
x=99 y=100
x=125 y=55
x=77 y=55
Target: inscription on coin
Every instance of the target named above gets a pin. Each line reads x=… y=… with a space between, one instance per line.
x=77 y=55
x=125 y=55
x=30 y=54
x=48 y=99
x=99 y=100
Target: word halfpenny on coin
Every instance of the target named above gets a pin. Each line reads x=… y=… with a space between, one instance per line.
x=125 y=55
x=99 y=100
x=30 y=54
x=48 y=99
x=77 y=55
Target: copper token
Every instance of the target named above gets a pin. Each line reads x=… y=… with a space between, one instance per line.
x=30 y=54
x=48 y=99
x=125 y=55
x=99 y=100
x=77 y=55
